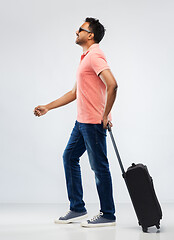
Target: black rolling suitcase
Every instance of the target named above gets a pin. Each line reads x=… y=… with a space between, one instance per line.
x=142 y=193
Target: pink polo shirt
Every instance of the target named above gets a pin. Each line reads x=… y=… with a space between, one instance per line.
x=91 y=90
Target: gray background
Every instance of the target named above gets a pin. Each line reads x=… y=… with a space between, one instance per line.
x=39 y=59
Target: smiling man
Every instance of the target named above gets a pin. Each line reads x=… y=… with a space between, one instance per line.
x=95 y=91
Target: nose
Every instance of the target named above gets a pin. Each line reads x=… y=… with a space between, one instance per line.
x=77 y=33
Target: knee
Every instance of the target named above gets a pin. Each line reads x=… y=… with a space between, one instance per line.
x=101 y=171
x=65 y=157
x=99 y=168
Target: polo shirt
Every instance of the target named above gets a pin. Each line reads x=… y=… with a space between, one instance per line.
x=91 y=90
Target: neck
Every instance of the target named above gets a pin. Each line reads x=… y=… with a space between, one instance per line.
x=85 y=47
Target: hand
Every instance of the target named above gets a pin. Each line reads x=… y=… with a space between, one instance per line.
x=40 y=110
x=105 y=122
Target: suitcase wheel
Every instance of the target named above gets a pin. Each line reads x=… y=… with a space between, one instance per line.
x=144 y=229
x=158 y=226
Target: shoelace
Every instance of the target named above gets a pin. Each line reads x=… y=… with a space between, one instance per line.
x=96 y=217
x=67 y=213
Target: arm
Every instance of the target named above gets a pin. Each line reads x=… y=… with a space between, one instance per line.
x=111 y=86
x=65 y=99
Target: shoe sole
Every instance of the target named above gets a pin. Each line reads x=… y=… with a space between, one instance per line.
x=85 y=224
x=70 y=220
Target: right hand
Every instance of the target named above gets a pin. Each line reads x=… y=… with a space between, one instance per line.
x=40 y=110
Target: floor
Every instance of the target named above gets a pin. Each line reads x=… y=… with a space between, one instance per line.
x=36 y=221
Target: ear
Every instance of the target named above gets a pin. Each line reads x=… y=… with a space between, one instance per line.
x=91 y=36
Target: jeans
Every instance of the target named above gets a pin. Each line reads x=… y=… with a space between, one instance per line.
x=90 y=137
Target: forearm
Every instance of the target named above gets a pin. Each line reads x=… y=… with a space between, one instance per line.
x=111 y=96
x=65 y=99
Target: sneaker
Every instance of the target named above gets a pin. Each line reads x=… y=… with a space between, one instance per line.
x=71 y=216
x=98 y=221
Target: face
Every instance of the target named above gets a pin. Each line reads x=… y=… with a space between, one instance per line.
x=83 y=37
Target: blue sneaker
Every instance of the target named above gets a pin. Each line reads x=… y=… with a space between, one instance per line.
x=71 y=216
x=98 y=221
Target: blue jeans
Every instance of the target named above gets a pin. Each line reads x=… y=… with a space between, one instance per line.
x=90 y=137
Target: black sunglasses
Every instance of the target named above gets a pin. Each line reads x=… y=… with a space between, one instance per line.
x=83 y=29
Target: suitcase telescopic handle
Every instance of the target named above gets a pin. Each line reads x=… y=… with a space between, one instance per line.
x=116 y=150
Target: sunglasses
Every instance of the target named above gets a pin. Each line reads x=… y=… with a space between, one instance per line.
x=83 y=29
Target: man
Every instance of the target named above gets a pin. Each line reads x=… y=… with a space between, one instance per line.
x=95 y=91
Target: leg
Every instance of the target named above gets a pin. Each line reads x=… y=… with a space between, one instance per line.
x=73 y=151
x=95 y=141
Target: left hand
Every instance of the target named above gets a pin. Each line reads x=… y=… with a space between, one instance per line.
x=105 y=122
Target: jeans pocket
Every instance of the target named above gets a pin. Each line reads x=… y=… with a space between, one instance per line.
x=100 y=130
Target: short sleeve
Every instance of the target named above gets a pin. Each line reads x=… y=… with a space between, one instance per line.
x=98 y=63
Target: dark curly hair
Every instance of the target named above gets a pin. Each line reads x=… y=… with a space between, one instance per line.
x=97 y=28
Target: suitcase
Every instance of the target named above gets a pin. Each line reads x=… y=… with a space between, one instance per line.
x=141 y=190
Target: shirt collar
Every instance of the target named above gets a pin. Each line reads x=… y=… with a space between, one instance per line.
x=94 y=45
